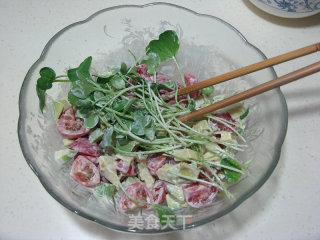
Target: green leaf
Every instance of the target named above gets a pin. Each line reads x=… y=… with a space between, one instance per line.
x=78 y=102
x=124 y=69
x=47 y=77
x=133 y=70
x=128 y=147
x=150 y=133
x=107 y=138
x=72 y=74
x=83 y=69
x=105 y=190
x=98 y=95
x=207 y=91
x=91 y=121
x=117 y=82
x=119 y=105
x=153 y=62
x=85 y=66
x=129 y=104
x=44 y=83
x=165 y=214
x=231 y=176
x=42 y=97
x=103 y=79
x=96 y=135
x=191 y=105
x=168 y=85
x=83 y=112
x=107 y=117
x=48 y=73
x=138 y=125
x=245 y=114
x=82 y=87
x=166 y=46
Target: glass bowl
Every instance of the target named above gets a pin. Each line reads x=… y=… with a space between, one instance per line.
x=208 y=46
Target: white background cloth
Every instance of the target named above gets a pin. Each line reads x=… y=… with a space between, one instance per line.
x=286 y=207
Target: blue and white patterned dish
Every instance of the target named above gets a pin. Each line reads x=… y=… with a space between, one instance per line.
x=289 y=8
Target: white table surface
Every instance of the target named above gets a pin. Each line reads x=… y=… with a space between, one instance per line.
x=286 y=207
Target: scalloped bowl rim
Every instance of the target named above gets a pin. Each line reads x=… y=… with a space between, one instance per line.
x=198 y=223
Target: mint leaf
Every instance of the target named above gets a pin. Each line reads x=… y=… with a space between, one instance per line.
x=153 y=62
x=231 y=176
x=165 y=214
x=166 y=46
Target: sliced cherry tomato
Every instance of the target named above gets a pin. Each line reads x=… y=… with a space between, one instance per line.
x=162 y=78
x=130 y=170
x=198 y=195
x=159 y=191
x=142 y=71
x=70 y=127
x=91 y=159
x=85 y=147
x=138 y=191
x=190 y=80
x=180 y=98
x=85 y=172
x=154 y=162
x=170 y=160
x=221 y=126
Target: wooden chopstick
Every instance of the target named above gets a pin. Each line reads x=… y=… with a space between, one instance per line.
x=251 y=68
x=277 y=82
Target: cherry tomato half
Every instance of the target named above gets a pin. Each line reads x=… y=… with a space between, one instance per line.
x=70 y=127
x=138 y=191
x=198 y=195
x=85 y=172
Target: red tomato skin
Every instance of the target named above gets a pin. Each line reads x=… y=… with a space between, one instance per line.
x=85 y=147
x=70 y=127
x=159 y=191
x=85 y=172
x=199 y=195
x=221 y=126
x=90 y=158
x=190 y=80
x=130 y=170
x=154 y=162
x=139 y=191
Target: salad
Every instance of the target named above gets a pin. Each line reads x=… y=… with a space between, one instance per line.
x=121 y=133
